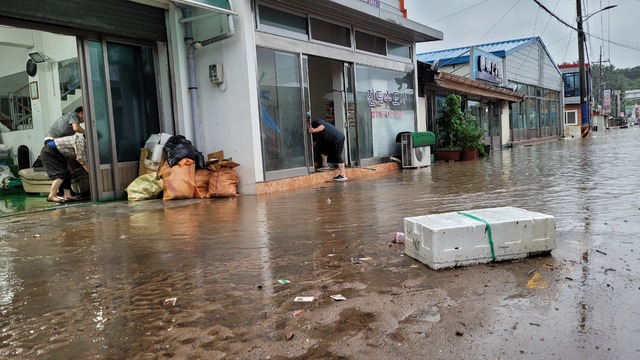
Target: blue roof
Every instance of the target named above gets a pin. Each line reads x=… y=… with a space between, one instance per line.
x=461 y=55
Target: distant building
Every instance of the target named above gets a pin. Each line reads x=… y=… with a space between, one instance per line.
x=523 y=66
x=572 y=111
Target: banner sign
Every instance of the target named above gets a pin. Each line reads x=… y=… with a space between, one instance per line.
x=606 y=102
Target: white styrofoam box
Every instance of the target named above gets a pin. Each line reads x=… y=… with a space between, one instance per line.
x=155 y=139
x=454 y=239
x=156 y=153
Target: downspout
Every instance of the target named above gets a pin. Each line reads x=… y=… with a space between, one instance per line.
x=192 y=47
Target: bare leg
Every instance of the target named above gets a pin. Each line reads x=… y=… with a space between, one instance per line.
x=341 y=169
x=55 y=185
x=324 y=160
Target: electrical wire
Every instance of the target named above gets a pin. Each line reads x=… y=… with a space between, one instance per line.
x=627 y=46
x=498 y=22
x=458 y=12
x=549 y=20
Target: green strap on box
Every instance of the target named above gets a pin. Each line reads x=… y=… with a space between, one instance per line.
x=487 y=230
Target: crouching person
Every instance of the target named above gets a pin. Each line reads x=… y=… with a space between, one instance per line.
x=55 y=156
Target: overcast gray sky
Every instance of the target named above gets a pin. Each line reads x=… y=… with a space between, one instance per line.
x=471 y=22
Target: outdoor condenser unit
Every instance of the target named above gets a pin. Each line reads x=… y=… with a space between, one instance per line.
x=416 y=149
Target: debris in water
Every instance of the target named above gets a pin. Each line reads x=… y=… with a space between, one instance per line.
x=170 y=301
x=601 y=252
x=338 y=297
x=304 y=298
x=399 y=237
x=298 y=312
x=290 y=336
x=532 y=271
x=36 y=235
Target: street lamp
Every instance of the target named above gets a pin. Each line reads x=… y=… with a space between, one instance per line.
x=584 y=105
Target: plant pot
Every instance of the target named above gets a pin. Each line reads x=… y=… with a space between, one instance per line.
x=470 y=154
x=447 y=155
x=487 y=149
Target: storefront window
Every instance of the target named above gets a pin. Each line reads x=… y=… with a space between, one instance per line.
x=544 y=113
x=282 y=120
x=533 y=113
x=554 y=113
x=331 y=33
x=520 y=115
x=281 y=22
x=386 y=107
x=475 y=110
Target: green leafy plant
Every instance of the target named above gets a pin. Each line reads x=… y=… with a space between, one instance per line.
x=470 y=135
x=449 y=124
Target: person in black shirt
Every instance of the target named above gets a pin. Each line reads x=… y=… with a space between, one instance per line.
x=331 y=144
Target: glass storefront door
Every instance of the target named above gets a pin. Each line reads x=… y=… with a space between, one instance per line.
x=125 y=111
x=283 y=121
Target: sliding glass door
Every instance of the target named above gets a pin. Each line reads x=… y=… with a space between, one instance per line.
x=125 y=110
x=282 y=117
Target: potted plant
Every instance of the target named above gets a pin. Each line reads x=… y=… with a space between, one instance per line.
x=470 y=136
x=448 y=125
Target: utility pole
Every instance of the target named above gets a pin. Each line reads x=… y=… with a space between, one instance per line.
x=584 y=105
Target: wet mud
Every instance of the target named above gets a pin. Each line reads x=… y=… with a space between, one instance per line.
x=205 y=279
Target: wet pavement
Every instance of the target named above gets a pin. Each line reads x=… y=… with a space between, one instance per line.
x=199 y=279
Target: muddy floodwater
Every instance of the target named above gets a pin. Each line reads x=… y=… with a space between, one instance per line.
x=217 y=278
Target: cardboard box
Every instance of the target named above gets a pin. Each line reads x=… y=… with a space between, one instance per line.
x=216 y=160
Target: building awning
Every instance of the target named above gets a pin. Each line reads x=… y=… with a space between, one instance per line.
x=219 y=6
x=473 y=87
x=364 y=16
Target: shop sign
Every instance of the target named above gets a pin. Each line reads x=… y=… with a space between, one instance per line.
x=486 y=66
x=393 y=104
x=375 y=3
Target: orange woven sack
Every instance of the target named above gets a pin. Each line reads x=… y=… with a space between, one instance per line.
x=223 y=183
x=179 y=180
x=202 y=183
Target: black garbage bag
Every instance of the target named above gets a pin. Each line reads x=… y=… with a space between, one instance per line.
x=178 y=148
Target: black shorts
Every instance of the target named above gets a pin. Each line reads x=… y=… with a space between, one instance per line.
x=333 y=151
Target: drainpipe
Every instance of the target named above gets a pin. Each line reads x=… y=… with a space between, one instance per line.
x=192 y=47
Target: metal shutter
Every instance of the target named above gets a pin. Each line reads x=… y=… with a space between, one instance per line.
x=110 y=17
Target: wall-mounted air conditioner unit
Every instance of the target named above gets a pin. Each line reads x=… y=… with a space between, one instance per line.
x=416 y=149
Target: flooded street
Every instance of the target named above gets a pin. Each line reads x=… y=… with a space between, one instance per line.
x=204 y=279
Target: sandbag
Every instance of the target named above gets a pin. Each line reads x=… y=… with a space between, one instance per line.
x=178 y=148
x=145 y=187
x=202 y=183
x=223 y=183
x=179 y=180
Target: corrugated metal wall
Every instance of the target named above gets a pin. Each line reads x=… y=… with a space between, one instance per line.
x=112 y=17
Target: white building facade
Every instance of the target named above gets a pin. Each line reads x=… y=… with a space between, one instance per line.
x=240 y=76
x=521 y=65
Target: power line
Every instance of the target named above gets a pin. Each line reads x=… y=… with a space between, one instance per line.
x=548 y=21
x=456 y=13
x=584 y=32
x=498 y=22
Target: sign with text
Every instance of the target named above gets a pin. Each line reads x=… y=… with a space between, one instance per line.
x=375 y=3
x=606 y=101
x=485 y=66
